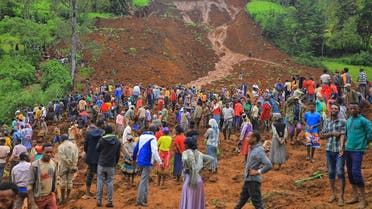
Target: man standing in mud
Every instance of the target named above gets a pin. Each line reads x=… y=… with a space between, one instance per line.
x=109 y=148
x=68 y=155
x=42 y=185
x=146 y=152
x=257 y=164
x=359 y=132
x=335 y=130
x=94 y=134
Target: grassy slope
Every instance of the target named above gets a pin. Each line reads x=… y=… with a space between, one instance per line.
x=263 y=7
x=353 y=69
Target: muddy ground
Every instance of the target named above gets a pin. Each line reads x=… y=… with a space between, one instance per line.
x=205 y=43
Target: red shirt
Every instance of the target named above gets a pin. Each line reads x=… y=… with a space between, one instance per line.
x=310 y=86
x=159 y=134
x=160 y=104
x=139 y=103
x=238 y=109
x=180 y=140
x=266 y=112
x=174 y=96
x=216 y=109
x=105 y=107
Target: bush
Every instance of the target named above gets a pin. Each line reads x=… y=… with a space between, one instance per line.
x=310 y=61
x=363 y=58
x=141 y=3
x=53 y=72
x=17 y=68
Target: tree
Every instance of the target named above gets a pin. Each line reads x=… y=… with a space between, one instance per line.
x=344 y=10
x=364 y=24
x=74 y=43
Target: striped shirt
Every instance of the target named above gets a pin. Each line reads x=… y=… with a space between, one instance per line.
x=339 y=125
x=362 y=78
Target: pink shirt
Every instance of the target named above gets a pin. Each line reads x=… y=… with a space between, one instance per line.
x=17 y=150
x=119 y=120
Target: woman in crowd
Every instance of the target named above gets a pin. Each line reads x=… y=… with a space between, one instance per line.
x=212 y=141
x=277 y=150
x=193 y=187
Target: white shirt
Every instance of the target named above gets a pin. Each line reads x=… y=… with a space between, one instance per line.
x=127 y=132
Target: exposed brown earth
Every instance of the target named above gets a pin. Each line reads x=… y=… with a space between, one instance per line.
x=163 y=49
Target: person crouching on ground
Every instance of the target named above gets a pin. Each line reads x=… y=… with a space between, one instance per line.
x=253 y=171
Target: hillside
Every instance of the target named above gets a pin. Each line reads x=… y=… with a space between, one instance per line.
x=208 y=50
x=185 y=43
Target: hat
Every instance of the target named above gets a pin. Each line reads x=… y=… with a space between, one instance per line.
x=348 y=85
x=165 y=130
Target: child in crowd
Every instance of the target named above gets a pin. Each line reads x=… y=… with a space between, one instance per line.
x=127 y=168
x=164 y=143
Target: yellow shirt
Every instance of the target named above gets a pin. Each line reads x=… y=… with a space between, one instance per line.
x=165 y=143
x=167 y=93
x=37 y=114
x=8 y=141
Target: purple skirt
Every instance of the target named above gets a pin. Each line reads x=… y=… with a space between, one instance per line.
x=192 y=198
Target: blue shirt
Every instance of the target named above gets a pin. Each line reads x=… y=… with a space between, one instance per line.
x=118 y=92
x=358 y=132
x=312 y=119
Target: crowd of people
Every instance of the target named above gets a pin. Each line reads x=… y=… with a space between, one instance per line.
x=141 y=127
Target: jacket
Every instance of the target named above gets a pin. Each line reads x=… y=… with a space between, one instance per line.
x=146 y=150
x=90 y=143
x=257 y=160
x=109 y=151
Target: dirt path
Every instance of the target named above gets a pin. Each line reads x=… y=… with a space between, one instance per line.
x=217 y=37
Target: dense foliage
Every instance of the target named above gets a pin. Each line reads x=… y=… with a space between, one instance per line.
x=34 y=36
x=306 y=28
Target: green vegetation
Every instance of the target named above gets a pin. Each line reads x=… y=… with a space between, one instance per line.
x=353 y=69
x=133 y=50
x=32 y=34
x=141 y=3
x=264 y=8
x=320 y=28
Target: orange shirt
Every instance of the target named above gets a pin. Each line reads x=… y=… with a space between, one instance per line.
x=238 y=109
x=310 y=86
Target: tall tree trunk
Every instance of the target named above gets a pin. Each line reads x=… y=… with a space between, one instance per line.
x=74 y=44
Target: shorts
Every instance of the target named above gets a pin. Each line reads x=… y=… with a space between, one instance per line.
x=312 y=140
x=227 y=124
x=292 y=128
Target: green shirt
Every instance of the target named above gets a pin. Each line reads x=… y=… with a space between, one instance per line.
x=358 y=132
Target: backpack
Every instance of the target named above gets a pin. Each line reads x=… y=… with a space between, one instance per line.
x=338 y=80
x=348 y=78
